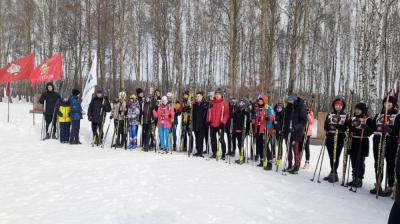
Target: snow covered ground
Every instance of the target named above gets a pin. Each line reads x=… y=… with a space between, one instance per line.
x=46 y=182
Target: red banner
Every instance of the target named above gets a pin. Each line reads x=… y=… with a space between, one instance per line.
x=19 y=69
x=47 y=71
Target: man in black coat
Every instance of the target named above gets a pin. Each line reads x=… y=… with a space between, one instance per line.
x=98 y=108
x=200 y=109
x=294 y=122
x=50 y=100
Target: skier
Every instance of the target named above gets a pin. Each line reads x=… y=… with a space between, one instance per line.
x=229 y=127
x=199 y=122
x=165 y=116
x=133 y=121
x=360 y=129
x=263 y=115
x=394 y=217
x=278 y=126
x=335 y=128
x=388 y=131
x=239 y=126
x=217 y=118
x=186 y=119
x=120 y=121
x=294 y=123
x=64 y=119
x=98 y=108
x=50 y=100
x=178 y=111
x=147 y=121
x=307 y=135
x=76 y=116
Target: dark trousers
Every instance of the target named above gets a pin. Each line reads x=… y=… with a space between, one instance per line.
x=306 y=147
x=390 y=156
x=75 y=126
x=146 y=132
x=237 y=136
x=120 y=132
x=358 y=150
x=200 y=140
x=213 y=135
x=49 y=120
x=65 y=131
x=330 y=146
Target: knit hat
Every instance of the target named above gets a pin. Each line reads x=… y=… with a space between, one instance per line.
x=75 y=92
x=99 y=90
x=291 y=99
x=138 y=91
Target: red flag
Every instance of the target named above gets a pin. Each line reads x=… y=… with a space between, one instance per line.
x=19 y=69
x=7 y=90
x=48 y=70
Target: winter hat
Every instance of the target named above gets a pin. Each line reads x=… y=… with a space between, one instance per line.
x=65 y=95
x=338 y=102
x=75 y=92
x=291 y=99
x=99 y=90
x=169 y=95
x=279 y=105
x=363 y=107
x=218 y=91
x=139 y=91
x=392 y=99
x=133 y=97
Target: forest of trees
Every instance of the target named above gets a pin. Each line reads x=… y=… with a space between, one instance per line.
x=319 y=47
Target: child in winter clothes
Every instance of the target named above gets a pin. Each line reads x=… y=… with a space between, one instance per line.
x=165 y=115
x=390 y=131
x=360 y=128
x=335 y=128
x=295 y=122
x=64 y=119
x=76 y=116
x=241 y=118
x=120 y=121
x=261 y=122
x=278 y=126
x=133 y=120
x=309 y=127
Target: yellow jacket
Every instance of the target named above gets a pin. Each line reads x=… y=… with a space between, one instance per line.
x=64 y=114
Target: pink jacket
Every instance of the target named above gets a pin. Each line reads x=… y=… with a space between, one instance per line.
x=165 y=115
x=310 y=120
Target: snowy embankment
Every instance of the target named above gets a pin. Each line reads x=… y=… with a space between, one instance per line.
x=46 y=182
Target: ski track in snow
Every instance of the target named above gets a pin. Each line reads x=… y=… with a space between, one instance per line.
x=49 y=182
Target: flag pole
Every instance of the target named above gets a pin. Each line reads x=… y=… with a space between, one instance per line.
x=8 y=109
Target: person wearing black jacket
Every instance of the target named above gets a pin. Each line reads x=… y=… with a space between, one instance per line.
x=98 y=108
x=335 y=128
x=390 y=131
x=394 y=217
x=239 y=116
x=147 y=120
x=50 y=100
x=229 y=127
x=295 y=120
x=199 y=122
x=278 y=126
x=360 y=130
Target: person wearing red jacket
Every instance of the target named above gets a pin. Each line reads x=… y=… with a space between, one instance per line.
x=165 y=119
x=217 y=117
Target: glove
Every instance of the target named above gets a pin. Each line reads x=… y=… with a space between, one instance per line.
x=90 y=118
x=221 y=126
x=387 y=129
x=106 y=97
x=59 y=114
x=363 y=126
x=291 y=129
x=111 y=117
x=69 y=114
x=280 y=132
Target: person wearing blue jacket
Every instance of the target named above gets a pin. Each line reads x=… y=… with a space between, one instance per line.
x=76 y=116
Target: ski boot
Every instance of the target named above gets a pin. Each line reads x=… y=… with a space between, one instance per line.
x=334 y=178
x=306 y=165
x=295 y=170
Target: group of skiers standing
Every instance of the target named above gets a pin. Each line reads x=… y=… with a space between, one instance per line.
x=212 y=117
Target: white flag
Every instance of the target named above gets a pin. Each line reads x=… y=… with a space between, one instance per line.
x=90 y=85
